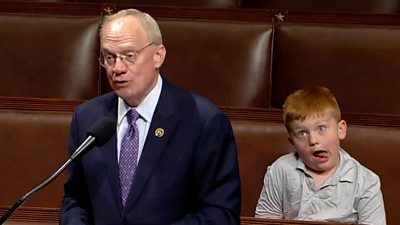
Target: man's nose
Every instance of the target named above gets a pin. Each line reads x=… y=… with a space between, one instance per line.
x=119 y=66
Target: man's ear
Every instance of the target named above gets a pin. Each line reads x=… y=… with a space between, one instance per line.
x=159 y=56
x=342 y=129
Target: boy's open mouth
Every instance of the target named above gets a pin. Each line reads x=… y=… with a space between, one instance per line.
x=320 y=154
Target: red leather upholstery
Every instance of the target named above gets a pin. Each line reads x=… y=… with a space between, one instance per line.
x=49 y=56
x=227 y=62
x=34 y=145
x=359 y=63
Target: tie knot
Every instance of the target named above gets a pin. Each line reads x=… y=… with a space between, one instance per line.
x=132 y=115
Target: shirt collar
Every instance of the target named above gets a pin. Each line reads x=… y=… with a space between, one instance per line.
x=346 y=168
x=343 y=172
x=146 y=108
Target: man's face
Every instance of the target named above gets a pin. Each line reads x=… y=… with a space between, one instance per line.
x=317 y=141
x=131 y=81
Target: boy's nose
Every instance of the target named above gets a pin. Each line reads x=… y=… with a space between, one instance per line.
x=313 y=139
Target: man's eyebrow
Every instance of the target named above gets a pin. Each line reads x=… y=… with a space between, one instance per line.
x=125 y=50
x=105 y=50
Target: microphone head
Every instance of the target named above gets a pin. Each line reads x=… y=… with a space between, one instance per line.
x=102 y=130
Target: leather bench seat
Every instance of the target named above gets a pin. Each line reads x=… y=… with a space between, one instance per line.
x=227 y=62
x=49 y=56
x=359 y=63
x=34 y=145
x=259 y=144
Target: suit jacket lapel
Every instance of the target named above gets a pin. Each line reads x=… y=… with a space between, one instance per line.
x=154 y=146
x=109 y=155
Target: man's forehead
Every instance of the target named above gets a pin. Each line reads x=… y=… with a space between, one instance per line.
x=119 y=35
x=121 y=23
x=117 y=26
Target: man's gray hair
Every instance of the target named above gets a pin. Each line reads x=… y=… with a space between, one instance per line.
x=149 y=24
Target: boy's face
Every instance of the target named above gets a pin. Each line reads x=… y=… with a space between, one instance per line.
x=317 y=141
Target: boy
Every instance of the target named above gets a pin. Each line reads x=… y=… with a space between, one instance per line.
x=319 y=180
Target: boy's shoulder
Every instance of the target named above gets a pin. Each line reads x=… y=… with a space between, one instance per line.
x=355 y=170
x=288 y=161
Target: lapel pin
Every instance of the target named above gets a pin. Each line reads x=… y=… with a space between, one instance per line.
x=159 y=132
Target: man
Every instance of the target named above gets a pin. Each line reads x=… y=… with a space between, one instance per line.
x=184 y=167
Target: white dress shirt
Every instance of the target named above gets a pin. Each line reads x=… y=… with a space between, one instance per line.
x=145 y=109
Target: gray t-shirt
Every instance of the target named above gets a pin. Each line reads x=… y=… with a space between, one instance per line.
x=351 y=194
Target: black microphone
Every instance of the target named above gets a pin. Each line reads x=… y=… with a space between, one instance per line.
x=98 y=134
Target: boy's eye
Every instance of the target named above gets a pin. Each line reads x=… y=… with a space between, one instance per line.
x=301 y=134
x=321 y=128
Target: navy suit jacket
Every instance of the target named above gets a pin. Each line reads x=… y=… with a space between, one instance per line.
x=188 y=176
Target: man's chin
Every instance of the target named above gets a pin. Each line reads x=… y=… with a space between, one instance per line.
x=128 y=97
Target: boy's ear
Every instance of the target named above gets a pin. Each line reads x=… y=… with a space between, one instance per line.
x=290 y=139
x=342 y=129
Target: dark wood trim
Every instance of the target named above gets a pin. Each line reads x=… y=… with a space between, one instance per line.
x=34 y=214
x=253 y=114
x=52 y=215
x=344 y=18
x=95 y=9
x=260 y=221
x=234 y=113
x=237 y=14
x=41 y=104
x=275 y=115
x=55 y=8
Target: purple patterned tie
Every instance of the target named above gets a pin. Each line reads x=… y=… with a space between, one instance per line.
x=129 y=154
